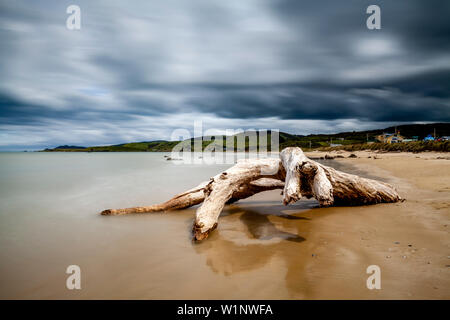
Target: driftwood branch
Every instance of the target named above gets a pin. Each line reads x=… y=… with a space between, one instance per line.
x=197 y=195
x=296 y=174
x=236 y=181
x=180 y=201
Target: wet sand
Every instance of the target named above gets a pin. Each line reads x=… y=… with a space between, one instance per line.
x=323 y=253
x=260 y=250
x=409 y=241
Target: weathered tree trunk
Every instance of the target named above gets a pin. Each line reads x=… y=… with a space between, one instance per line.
x=298 y=175
x=305 y=177
x=237 y=180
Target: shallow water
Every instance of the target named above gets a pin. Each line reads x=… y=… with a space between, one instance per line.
x=49 y=205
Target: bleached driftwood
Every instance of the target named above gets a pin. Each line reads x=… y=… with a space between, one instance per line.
x=233 y=184
x=296 y=174
x=305 y=177
x=197 y=195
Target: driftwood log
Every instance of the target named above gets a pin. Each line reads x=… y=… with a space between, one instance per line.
x=293 y=172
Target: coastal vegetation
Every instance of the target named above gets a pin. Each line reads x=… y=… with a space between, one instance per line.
x=414 y=146
x=349 y=141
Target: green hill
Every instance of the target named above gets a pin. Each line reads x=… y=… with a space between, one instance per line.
x=355 y=140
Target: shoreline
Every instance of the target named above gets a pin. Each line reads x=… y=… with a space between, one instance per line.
x=260 y=249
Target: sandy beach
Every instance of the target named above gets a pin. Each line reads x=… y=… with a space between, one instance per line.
x=409 y=240
x=260 y=250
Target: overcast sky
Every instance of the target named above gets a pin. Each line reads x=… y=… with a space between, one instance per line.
x=137 y=70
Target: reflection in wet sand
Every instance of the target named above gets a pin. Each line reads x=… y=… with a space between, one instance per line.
x=253 y=233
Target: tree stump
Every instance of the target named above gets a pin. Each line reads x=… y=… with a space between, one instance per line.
x=295 y=173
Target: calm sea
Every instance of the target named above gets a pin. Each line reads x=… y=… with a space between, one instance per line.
x=49 y=219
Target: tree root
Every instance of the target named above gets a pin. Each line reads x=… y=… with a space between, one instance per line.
x=296 y=174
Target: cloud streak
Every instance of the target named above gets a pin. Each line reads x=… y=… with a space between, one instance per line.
x=136 y=71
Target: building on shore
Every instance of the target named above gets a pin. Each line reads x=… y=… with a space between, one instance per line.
x=390 y=137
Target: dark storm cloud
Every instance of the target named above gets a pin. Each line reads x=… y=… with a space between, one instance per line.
x=415 y=98
x=137 y=70
x=422 y=25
